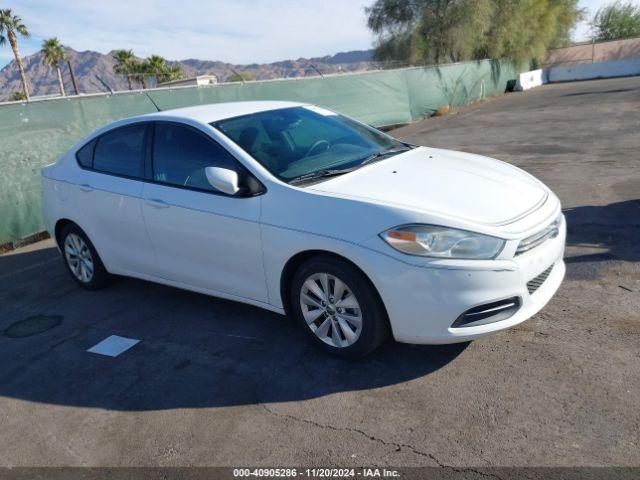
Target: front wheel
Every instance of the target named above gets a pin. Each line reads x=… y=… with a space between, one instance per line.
x=338 y=307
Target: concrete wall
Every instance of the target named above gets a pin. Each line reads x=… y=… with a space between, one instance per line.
x=594 y=53
x=587 y=71
x=532 y=79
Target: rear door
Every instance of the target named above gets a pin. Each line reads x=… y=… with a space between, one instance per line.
x=108 y=192
x=202 y=237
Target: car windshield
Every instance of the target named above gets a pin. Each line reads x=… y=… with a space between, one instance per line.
x=307 y=142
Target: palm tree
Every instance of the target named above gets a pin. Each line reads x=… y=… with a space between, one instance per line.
x=156 y=66
x=125 y=62
x=170 y=73
x=139 y=71
x=11 y=24
x=52 y=54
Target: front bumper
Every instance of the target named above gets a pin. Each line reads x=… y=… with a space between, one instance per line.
x=424 y=302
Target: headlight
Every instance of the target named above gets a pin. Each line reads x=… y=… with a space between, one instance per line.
x=442 y=242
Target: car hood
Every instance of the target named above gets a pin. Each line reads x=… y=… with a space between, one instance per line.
x=461 y=185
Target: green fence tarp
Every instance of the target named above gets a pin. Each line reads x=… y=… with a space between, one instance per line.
x=35 y=134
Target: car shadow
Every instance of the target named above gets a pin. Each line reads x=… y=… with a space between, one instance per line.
x=195 y=351
x=614 y=228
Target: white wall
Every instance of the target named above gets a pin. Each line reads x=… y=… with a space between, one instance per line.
x=534 y=78
x=586 y=71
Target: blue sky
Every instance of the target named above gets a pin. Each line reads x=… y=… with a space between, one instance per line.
x=236 y=31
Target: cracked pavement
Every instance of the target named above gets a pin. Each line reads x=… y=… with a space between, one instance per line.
x=216 y=383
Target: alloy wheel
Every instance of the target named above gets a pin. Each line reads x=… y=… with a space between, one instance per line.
x=331 y=310
x=78 y=257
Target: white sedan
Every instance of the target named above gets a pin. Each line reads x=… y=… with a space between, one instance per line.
x=300 y=210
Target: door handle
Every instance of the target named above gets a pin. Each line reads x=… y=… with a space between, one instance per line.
x=85 y=187
x=157 y=203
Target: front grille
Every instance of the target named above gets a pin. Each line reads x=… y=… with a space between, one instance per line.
x=535 y=283
x=550 y=231
x=488 y=313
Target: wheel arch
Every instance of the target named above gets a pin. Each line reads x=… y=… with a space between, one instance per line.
x=299 y=258
x=60 y=226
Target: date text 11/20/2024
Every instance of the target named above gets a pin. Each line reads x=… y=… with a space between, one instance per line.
x=315 y=472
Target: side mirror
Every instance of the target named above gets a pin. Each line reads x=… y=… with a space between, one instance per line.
x=223 y=179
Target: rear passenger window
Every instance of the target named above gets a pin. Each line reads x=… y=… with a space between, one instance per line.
x=181 y=154
x=121 y=151
x=85 y=154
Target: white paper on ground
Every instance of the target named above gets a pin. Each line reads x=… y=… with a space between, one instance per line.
x=113 y=346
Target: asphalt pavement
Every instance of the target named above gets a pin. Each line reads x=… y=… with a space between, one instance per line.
x=217 y=383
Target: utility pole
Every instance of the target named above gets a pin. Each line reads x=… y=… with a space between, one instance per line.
x=73 y=77
x=593 y=42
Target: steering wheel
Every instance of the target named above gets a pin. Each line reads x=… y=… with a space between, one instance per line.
x=320 y=144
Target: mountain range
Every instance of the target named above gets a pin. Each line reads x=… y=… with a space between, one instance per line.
x=91 y=66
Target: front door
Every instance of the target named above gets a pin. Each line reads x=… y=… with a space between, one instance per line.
x=201 y=237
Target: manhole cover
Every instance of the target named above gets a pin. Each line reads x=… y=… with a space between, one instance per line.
x=33 y=325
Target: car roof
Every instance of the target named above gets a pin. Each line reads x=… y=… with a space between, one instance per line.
x=220 y=111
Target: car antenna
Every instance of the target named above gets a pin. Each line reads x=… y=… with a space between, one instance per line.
x=104 y=84
x=154 y=103
x=316 y=69
x=238 y=75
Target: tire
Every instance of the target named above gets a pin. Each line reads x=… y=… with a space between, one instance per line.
x=340 y=326
x=87 y=270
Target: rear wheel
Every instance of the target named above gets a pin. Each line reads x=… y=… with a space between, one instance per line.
x=81 y=259
x=338 y=307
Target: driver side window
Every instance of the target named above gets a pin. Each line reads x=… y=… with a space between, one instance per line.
x=181 y=154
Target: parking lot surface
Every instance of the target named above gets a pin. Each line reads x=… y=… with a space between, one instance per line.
x=213 y=382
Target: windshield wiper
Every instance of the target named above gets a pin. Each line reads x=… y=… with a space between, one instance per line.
x=381 y=154
x=327 y=172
